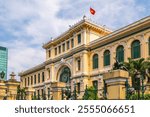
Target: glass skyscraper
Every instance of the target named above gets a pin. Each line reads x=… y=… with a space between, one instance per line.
x=3 y=60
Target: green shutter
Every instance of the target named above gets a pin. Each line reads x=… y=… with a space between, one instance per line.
x=79 y=38
x=95 y=61
x=135 y=49
x=106 y=58
x=120 y=54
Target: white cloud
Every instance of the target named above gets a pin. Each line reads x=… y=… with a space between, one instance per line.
x=33 y=22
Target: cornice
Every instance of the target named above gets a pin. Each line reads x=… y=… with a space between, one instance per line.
x=31 y=70
x=68 y=54
x=119 y=34
x=75 y=28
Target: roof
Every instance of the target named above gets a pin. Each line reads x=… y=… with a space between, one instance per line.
x=138 y=25
x=82 y=22
x=31 y=70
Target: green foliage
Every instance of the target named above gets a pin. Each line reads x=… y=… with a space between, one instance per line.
x=139 y=66
x=134 y=66
x=90 y=94
x=135 y=97
x=34 y=97
x=21 y=94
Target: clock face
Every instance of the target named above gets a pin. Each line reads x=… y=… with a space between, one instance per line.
x=65 y=75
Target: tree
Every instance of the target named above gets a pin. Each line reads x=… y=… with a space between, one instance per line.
x=134 y=67
x=34 y=97
x=21 y=94
x=135 y=97
x=90 y=94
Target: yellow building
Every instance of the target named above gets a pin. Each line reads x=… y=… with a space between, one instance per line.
x=8 y=89
x=81 y=55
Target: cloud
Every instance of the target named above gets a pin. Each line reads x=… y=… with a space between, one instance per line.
x=113 y=13
x=26 y=24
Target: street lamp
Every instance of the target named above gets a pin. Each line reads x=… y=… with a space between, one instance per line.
x=129 y=90
x=48 y=93
x=62 y=93
x=138 y=87
x=66 y=92
x=105 y=90
x=143 y=87
x=75 y=92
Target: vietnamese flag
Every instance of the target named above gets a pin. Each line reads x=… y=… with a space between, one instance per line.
x=92 y=11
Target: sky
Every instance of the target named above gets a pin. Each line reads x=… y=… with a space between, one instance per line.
x=25 y=25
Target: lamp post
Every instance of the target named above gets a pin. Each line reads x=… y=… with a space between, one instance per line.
x=62 y=93
x=105 y=90
x=48 y=93
x=75 y=92
x=129 y=90
x=143 y=88
x=65 y=92
x=138 y=87
x=68 y=92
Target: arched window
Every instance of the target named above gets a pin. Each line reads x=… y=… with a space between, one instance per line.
x=120 y=53
x=149 y=45
x=65 y=75
x=106 y=58
x=135 y=49
x=95 y=61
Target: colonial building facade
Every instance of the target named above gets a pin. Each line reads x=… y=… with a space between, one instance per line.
x=80 y=56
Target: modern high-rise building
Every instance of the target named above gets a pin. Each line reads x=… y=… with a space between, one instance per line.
x=3 y=60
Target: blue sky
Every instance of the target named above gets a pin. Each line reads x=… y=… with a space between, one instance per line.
x=26 y=24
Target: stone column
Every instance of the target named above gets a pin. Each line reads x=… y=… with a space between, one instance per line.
x=85 y=63
x=115 y=84
x=84 y=36
x=52 y=73
x=57 y=90
x=3 y=89
x=29 y=93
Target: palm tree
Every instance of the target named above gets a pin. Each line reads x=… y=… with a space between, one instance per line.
x=90 y=93
x=20 y=93
x=137 y=67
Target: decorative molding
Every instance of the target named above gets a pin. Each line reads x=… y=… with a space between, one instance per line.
x=70 y=61
x=62 y=61
x=116 y=80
